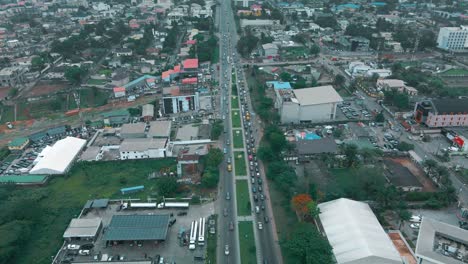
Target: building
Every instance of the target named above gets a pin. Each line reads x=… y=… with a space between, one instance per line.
x=441 y=243
x=134 y=130
x=12 y=76
x=190 y=67
x=137 y=228
x=359 y=44
x=173 y=104
x=244 y=3
x=59 y=158
x=453 y=38
x=147 y=112
x=159 y=129
x=307 y=149
x=397 y=85
x=83 y=229
x=143 y=148
x=269 y=50
x=122 y=52
x=18 y=144
x=117 y=117
x=119 y=92
x=317 y=104
x=442 y=112
x=278 y=85
x=355 y=234
x=120 y=78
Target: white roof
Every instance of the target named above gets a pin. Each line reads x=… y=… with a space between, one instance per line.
x=355 y=233
x=392 y=82
x=80 y=227
x=142 y=144
x=317 y=95
x=58 y=158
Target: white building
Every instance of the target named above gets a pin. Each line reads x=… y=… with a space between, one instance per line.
x=355 y=233
x=59 y=158
x=143 y=148
x=441 y=243
x=453 y=38
x=307 y=105
x=395 y=84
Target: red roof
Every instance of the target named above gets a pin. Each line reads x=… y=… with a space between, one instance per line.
x=119 y=89
x=190 y=80
x=191 y=42
x=177 y=68
x=190 y=64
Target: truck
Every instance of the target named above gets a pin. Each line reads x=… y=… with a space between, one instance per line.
x=139 y=206
x=177 y=205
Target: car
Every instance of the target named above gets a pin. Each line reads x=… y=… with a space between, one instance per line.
x=231 y=226
x=161 y=260
x=266 y=219
x=257 y=209
x=226 y=250
x=172 y=221
x=254 y=190
x=182 y=213
x=260 y=189
x=73 y=247
x=228 y=196
x=415 y=225
x=84 y=252
x=87 y=246
x=225 y=211
x=259 y=179
x=157 y=258
x=260 y=225
x=416 y=218
x=255 y=197
x=262 y=197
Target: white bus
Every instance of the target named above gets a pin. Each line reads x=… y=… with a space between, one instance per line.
x=193 y=235
x=201 y=232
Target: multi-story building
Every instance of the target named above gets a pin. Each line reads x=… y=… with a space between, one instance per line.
x=453 y=38
x=317 y=104
x=442 y=112
x=11 y=76
x=244 y=3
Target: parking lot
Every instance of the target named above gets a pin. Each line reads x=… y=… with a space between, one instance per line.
x=171 y=249
x=351 y=110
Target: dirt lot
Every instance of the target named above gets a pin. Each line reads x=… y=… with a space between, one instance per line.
x=402 y=248
x=427 y=184
x=44 y=88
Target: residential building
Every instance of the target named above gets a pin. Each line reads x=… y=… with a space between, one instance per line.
x=122 y=52
x=147 y=113
x=18 y=144
x=120 y=78
x=359 y=44
x=269 y=50
x=442 y=112
x=317 y=104
x=453 y=38
x=133 y=130
x=355 y=234
x=396 y=85
x=119 y=92
x=12 y=76
x=143 y=148
x=441 y=243
x=244 y=3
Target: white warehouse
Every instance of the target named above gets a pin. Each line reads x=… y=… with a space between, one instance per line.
x=59 y=158
x=143 y=148
x=317 y=104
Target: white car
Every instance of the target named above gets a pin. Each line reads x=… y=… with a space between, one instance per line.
x=84 y=252
x=416 y=218
x=73 y=247
x=226 y=250
x=260 y=225
x=415 y=225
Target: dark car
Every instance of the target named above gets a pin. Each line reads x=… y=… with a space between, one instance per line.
x=87 y=246
x=266 y=219
x=172 y=222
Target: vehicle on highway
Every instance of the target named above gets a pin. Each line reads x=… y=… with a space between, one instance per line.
x=231 y=226
x=257 y=209
x=229 y=167
x=225 y=212
x=266 y=219
x=228 y=196
x=260 y=225
x=226 y=250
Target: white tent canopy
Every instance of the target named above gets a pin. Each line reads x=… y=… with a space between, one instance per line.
x=58 y=159
x=355 y=233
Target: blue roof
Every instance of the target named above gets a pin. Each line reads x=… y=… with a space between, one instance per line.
x=348 y=6
x=280 y=85
x=137 y=81
x=378 y=4
x=283 y=4
x=135 y=188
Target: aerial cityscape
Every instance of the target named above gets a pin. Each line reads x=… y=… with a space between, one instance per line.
x=233 y=132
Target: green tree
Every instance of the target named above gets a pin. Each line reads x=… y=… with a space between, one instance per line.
x=308 y=246
x=380 y=118
x=314 y=50
x=75 y=74
x=216 y=130
x=13 y=92
x=214 y=158
x=404 y=146
x=339 y=80
x=167 y=186
x=350 y=151
x=313 y=208
x=37 y=63
x=404 y=215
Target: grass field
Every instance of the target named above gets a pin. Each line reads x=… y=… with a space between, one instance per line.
x=91 y=97
x=64 y=197
x=242 y=198
x=234 y=102
x=8 y=113
x=212 y=242
x=96 y=82
x=240 y=167
x=454 y=72
x=236 y=119
x=247 y=243
x=238 y=138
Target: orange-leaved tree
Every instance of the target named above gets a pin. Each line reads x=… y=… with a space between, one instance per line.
x=299 y=204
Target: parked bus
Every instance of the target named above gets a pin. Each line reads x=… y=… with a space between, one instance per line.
x=193 y=235
x=201 y=232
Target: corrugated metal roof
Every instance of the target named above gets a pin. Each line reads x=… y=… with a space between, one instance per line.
x=23 y=179
x=82 y=227
x=137 y=227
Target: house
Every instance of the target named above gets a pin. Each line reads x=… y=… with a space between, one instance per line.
x=269 y=50
x=395 y=85
x=147 y=113
x=11 y=76
x=122 y=52
x=317 y=104
x=441 y=243
x=134 y=130
x=355 y=234
x=120 y=78
x=119 y=92
x=143 y=148
x=18 y=144
x=190 y=65
x=442 y=112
